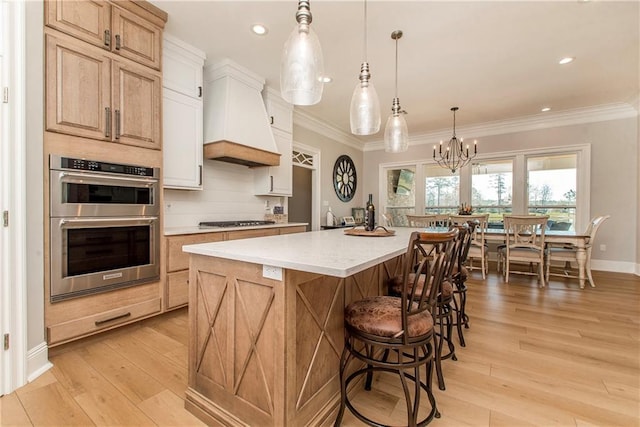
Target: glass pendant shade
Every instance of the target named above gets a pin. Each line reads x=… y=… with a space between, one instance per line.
x=301 y=67
x=365 y=106
x=396 y=133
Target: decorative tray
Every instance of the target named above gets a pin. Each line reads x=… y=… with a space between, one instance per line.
x=377 y=232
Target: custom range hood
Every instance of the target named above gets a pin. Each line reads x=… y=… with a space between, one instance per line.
x=236 y=125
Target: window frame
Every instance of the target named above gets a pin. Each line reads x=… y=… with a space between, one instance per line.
x=519 y=184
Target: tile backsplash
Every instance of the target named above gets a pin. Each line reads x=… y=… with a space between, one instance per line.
x=227 y=194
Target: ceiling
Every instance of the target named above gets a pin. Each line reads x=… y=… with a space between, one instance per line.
x=496 y=60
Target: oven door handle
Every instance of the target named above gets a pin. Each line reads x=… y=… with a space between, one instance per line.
x=131 y=220
x=147 y=182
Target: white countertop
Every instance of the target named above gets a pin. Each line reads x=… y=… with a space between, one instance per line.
x=328 y=252
x=174 y=231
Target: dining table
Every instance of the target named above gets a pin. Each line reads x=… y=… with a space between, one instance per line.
x=579 y=240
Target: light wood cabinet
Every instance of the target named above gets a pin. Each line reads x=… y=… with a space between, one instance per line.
x=109 y=27
x=182 y=115
x=176 y=292
x=92 y=95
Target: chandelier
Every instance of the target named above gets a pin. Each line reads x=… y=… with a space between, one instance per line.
x=454 y=156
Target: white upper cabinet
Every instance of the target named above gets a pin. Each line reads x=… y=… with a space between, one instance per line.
x=277 y=180
x=182 y=115
x=280 y=112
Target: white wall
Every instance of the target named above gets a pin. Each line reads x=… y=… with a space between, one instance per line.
x=330 y=150
x=614 y=177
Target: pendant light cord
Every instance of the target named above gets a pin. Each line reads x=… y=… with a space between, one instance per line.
x=365 y=30
x=396 y=67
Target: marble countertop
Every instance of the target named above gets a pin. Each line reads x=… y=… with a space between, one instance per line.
x=174 y=231
x=328 y=252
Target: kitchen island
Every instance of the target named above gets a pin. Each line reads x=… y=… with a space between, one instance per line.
x=266 y=322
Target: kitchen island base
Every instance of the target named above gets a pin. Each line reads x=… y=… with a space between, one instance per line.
x=264 y=351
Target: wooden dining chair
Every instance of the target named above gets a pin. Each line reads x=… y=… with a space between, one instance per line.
x=420 y=220
x=479 y=248
x=568 y=253
x=524 y=243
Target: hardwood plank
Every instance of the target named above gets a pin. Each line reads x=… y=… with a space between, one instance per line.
x=129 y=379
x=167 y=409
x=53 y=405
x=158 y=366
x=97 y=397
x=12 y=413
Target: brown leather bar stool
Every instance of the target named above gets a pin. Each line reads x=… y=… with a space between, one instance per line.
x=443 y=313
x=395 y=334
x=459 y=277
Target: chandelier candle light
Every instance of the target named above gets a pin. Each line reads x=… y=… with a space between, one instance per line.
x=365 y=106
x=396 y=134
x=301 y=67
x=455 y=155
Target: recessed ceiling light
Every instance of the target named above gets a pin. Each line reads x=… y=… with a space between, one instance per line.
x=259 y=29
x=565 y=60
x=545 y=109
x=326 y=79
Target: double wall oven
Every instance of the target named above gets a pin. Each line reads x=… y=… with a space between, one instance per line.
x=105 y=228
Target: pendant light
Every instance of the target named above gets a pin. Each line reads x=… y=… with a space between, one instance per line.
x=365 y=106
x=301 y=67
x=396 y=134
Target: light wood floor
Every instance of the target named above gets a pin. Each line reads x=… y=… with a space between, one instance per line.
x=556 y=356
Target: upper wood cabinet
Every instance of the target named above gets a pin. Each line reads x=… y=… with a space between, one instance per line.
x=109 y=27
x=91 y=94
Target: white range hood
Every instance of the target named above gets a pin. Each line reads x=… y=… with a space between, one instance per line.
x=236 y=124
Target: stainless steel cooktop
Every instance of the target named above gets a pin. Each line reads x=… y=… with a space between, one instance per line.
x=242 y=223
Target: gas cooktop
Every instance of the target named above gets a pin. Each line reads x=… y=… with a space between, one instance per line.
x=245 y=223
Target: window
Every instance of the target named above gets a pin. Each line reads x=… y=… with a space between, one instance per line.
x=442 y=190
x=553 y=180
x=401 y=194
x=551 y=188
x=491 y=188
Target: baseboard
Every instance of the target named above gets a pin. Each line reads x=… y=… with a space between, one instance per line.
x=614 y=266
x=38 y=361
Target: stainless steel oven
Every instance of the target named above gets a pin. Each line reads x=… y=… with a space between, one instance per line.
x=104 y=225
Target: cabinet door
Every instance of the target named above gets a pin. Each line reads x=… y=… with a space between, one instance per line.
x=87 y=20
x=280 y=112
x=136 y=105
x=276 y=180
x=182 y=67
x=136 y=39
x=181 y=140
x=78 y=97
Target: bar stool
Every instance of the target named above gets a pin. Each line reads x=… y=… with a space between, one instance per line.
x=395 y=334
x=444 y=311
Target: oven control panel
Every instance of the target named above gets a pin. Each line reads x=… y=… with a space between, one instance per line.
x=97 y=166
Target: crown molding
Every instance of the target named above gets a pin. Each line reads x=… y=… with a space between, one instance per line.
x=522 y=124
x=316 y=125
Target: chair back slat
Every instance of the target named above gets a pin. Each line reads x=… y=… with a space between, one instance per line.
x=525 y=231
x=431 y=269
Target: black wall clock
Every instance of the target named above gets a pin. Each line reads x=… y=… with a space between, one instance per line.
x=344 y=178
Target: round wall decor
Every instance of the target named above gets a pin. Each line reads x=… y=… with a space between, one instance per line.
x=344 y=178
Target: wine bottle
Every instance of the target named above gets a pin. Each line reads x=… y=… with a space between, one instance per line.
x=370 y=220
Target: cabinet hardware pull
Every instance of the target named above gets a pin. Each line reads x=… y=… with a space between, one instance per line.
x=199 y=91
x=200 y=179
x=118 y=317
x=271 y=119
x=117 y=124
x=107 y=38
x=107 y=119
x=117 y=41
x=271 y=177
